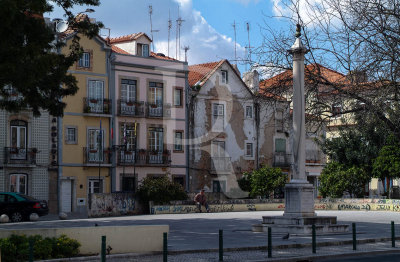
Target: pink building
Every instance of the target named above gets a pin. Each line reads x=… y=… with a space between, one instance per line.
x=149 y=123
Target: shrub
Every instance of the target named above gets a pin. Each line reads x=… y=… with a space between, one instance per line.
x=160 y=190
x=16 y=248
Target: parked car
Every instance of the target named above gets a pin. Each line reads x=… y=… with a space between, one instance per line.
x=19 y=207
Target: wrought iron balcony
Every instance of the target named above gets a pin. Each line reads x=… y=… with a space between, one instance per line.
x=96 y=156
x=20 y=156
x=155 y=110
x=220 y=164
x=96 y=106
x=282 y=159
x=131 y=108
x=143 y=157
x=126 y=157
x=313 y=156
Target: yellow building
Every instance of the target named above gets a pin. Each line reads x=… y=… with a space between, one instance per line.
x=84 y=131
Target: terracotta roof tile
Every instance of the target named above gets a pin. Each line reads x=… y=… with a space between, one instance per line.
x=201 y=71
x=118 y=50
x=162 y=56
x=285 y=78
x=127 y=38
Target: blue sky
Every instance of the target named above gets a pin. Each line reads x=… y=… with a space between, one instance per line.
x=207 y=28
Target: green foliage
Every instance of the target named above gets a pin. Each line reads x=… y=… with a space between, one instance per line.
x=16 y=248
x=336 y=179
x=263 y=181
x=28 y=62
x=387 y=164
x=160 y=190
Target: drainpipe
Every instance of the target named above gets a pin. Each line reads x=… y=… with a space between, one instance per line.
x=187 y=102
x=111 y=92
x=257 y=116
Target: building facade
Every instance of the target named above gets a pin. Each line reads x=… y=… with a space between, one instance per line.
x=149 y=113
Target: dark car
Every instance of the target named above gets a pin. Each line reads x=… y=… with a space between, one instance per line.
x=19 y=207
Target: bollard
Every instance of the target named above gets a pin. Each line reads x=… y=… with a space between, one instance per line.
x=354 y=236
x=31 y=250
x=103 y=248
x=221 y=246
x=314 y=240
x=165 y=247
x=393 y=235
x=269 y=242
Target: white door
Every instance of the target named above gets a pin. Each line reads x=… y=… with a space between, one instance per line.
x=66 y=196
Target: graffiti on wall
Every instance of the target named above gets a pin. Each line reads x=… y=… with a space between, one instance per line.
x=114 y=204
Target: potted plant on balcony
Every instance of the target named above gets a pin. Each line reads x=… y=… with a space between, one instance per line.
x=86 y=109
x=130 y=103
x=154 y=152
x=93 y=150
x=93 y=100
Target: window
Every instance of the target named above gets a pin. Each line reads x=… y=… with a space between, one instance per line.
x=218 y=149
x=96 y=96
x=219 y=186
x=128 y=90
x=224 y=76
x=128 y=135
x=71 y=135
x=178 y=141
x=95 y=186
x=336 y=109
x=178 y=96
x=249 y=111
x=95 y=145
x=280 y=145
x=18 y=183
x=249 y=149
x=18 y=138
x=218 y=117
x=156 y=139
x=84 y=61
x=128 y=184
x=156 y=93
x=145 y=50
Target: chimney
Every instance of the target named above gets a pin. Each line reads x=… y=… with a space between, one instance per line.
x=252 y=80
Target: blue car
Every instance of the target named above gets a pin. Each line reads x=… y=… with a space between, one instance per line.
x=18 y=207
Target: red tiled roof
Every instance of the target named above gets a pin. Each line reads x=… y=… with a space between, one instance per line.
x=285 y=78
x=118 y=50
x=200 y=72
x=162 y=56
x=127 y=38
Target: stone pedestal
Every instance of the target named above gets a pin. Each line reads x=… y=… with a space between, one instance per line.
x=299 y=199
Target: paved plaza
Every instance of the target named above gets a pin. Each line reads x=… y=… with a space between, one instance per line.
x=196 y=235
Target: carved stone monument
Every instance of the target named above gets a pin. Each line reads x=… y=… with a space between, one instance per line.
x=299 y=215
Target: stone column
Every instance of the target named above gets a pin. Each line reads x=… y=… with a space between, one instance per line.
x=299 y=197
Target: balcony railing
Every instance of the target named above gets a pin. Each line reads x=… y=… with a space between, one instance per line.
x=142 y=157
x=131 y=108
x=282 y=159
x=20 y=156
x=155 y=110
x=220 y=164
x=96 y=106
x=96 y=156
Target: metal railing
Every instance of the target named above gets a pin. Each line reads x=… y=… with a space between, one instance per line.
x=96 y=106
x=96 y=156
x=131 y=108
x=20 y=155
x=220 y=163
x=143 y=157
x=281 y=159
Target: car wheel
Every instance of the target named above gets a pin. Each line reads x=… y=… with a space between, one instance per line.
x=16 y=217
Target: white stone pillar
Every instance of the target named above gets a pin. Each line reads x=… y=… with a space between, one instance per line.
x=299 y=194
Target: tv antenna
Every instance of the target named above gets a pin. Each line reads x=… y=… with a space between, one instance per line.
x=234 y=30
x=186 y=48
x=169 y=29
x=178 y=35
x=248 y=48
x=151 y=26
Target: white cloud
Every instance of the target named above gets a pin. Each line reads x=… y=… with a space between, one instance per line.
x=246 y=2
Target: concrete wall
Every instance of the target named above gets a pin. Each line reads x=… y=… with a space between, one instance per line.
x=114 y=204
x=122 y=239
x=342 y=204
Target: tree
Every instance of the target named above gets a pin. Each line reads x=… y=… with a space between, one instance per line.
x=32 y=74
x=336 y=179
x=359 y=38
x=263 y=181
x=387 y=164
